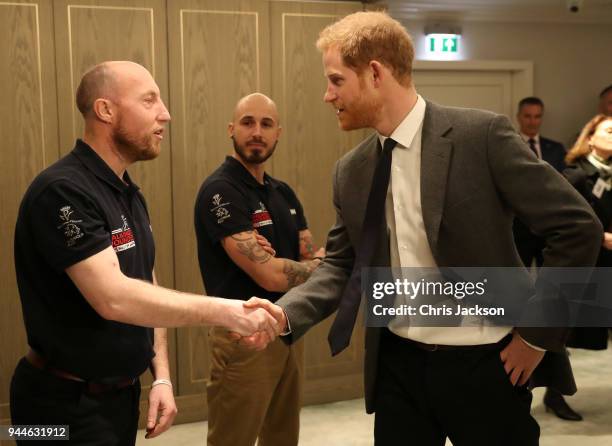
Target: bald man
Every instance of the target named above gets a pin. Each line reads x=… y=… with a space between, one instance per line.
x=252 y=394
x=84 y=257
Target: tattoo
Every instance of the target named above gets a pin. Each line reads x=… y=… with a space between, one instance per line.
x=243 y=236
x=252 y=250
x=306 y=247
x=297 y=272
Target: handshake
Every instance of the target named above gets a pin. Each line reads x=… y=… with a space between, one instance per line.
x=255 y=323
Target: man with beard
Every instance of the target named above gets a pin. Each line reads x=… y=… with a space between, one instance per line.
x=84 y=256
x=252 y=394
x=433 y=186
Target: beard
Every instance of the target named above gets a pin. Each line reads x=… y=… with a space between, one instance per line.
x=135 y=148
x=363 y=111
x=255 y=157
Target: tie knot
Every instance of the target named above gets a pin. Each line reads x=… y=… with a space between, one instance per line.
x=390 y=143
x=531 y=141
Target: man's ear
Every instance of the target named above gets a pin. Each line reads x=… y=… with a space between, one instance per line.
x=103 y=109
x=378 y=72
x=230 y=129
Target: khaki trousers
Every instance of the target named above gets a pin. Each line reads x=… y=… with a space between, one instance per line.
x=254 y=395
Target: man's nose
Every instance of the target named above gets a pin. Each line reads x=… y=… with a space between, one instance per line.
x=164 y=116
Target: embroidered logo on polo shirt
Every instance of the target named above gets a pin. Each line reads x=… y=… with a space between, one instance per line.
x=72 y=231
x=123 y=237
x=218 y=208
x=261 y=217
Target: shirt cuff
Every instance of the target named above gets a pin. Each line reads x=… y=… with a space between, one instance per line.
x=287 y=332
x=535 y=347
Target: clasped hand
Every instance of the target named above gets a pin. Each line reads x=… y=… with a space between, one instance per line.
x=263 y=322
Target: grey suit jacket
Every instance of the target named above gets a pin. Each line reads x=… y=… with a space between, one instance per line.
x=476 y=174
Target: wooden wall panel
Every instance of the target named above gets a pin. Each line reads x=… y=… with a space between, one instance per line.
x=219 y=52
x=28 y=120
x=88 y=32
x=311 y=144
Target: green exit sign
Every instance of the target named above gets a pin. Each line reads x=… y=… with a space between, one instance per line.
x=443 y=43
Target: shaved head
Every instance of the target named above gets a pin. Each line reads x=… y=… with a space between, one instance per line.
x=255 y=101
x=123 y=108
x=105 y=80
x=254 y=129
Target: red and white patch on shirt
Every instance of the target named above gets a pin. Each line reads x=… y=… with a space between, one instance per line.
x=122 y=238
x=261 y=217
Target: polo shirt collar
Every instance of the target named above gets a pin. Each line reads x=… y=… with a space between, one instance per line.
x=99 y=168
x=241 y=172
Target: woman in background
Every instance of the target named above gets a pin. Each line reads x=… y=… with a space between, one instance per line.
x=590 y=172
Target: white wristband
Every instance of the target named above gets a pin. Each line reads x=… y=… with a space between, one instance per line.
x=161 y=381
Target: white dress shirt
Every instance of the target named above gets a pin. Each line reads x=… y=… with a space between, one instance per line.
x=536 y=138
x=409 y=246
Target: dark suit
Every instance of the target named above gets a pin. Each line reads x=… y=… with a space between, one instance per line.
x=470 y=162
x=528 y=244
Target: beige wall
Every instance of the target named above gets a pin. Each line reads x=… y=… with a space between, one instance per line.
x=571 y=64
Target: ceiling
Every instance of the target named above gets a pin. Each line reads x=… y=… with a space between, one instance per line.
x=590 y=11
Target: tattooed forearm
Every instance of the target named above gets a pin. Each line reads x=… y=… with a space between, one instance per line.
x=253 y=251
x=306 y=247
x=297 y=272
x=243 y=236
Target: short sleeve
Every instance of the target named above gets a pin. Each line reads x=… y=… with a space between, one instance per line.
x=223 y=210
x=67 y=225
x=296 y=207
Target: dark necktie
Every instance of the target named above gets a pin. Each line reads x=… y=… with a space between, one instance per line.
x=532 y=146
x=342 y=328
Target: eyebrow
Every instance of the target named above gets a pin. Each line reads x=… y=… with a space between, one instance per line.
x=265 y=118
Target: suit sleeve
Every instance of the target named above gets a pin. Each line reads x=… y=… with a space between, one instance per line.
x=558 y=213
x=317 y=298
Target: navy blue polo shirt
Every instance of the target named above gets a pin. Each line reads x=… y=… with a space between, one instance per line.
x=232 y=201
x=74 y=209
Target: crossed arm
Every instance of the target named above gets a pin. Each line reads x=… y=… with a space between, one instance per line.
x=269 y=272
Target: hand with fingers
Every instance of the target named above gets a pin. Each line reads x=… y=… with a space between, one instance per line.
x=260 y=340
x=247 y=320
x=162 y=410
x=265 y=244
x=520 y=360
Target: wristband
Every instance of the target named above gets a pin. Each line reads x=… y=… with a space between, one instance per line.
x=161 y=381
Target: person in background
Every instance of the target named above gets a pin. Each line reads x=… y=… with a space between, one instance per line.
x=590 y=172
x=529 y=245
x=252 y=395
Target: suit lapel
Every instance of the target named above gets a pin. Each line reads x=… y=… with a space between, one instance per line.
x=364 y=167
x=435 y=161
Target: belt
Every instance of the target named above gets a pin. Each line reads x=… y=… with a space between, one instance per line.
x=444 y=347
x=92 y=387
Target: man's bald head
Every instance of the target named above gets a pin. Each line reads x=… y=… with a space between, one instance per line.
x=255 y=129
x=256 y=101
x=105 y=80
